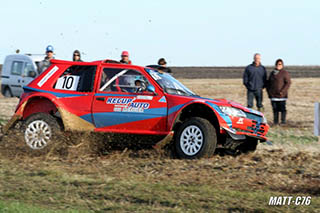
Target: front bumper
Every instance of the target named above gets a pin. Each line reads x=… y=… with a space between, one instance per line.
x=238 y=135
x=244 y=127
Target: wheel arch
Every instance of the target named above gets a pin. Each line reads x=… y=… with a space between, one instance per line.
x=30 y=105
x=38 y=104
x=49 y=104
x=196 y=109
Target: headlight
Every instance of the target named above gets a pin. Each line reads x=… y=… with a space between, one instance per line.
x=233 y=111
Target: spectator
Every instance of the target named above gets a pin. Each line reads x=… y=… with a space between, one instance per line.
x=44 y=64
x=254 y=79
x=163 y=65
x=76 y=56
x=125 y=57
x=278 y=85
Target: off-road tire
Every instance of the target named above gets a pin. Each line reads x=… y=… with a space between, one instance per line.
x=52 y=126
x=183 y=139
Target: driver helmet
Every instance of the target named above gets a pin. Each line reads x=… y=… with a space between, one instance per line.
x=140 y=80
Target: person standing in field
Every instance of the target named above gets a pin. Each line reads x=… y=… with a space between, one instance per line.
x=125 y=57
x=254 y=79
x=163 y=65
x=278 y=85
x=76 y=56
x=45 y=63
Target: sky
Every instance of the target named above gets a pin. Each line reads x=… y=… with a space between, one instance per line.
x=184 y=32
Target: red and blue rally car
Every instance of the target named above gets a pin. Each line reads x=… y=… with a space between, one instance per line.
x=106 y=96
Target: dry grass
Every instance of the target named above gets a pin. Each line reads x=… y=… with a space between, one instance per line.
x=147 y=182
x=304 y=92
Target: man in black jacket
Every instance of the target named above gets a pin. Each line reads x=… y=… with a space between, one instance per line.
x=255 y=79
x=163 y=65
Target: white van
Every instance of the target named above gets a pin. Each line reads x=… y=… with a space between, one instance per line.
x=18 y=71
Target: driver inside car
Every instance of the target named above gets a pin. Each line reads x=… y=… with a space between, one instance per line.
x=140 y=84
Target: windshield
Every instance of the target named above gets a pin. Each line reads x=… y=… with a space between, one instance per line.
x=169 y=84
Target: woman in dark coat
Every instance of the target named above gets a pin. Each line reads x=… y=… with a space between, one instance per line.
x=278 y=85
x=76 y=56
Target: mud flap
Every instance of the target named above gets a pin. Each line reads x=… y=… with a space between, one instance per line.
x=165 y=141
x=16 y=117
x=11 y=123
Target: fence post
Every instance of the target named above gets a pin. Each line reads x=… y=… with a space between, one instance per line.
x=317 y=120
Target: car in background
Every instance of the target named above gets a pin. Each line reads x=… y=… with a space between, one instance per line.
x=109 y=97
x=18 y=71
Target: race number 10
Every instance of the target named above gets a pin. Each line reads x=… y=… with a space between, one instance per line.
x=69 y=82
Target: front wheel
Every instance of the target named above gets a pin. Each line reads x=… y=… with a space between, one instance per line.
x=39 y=130
x=196 y=138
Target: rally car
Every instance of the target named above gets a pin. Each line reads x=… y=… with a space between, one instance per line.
x=106 y=96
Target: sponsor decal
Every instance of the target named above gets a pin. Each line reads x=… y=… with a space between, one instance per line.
x=127 y=105
x=47 y=76
x=240 y=121
x=144 y=97
x=119 y=100
x=117 y=109
x=163 y=99
x=155 y=76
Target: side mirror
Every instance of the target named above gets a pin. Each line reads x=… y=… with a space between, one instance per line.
x=32 y=74
x=150 y=88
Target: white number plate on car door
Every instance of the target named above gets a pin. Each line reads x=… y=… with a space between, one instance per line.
x=68 y=82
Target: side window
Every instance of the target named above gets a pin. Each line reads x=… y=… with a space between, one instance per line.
x=123 y=80
x=16 y=68
x=77 y=78
x=27 y=68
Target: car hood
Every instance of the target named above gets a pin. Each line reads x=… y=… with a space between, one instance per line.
x=229 y=103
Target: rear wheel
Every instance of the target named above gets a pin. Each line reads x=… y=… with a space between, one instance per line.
x=7 y=92
x=39 y=130
x=195 y=138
